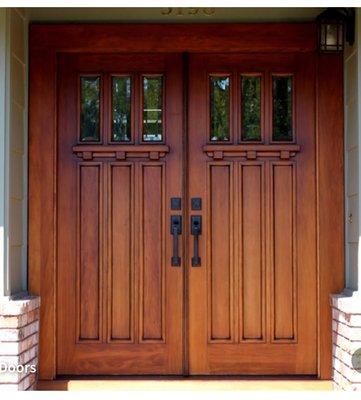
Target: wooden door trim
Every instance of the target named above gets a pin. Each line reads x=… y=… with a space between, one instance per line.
x=175 y=38
x=330 y=197
x=47 y=41
x=42 y=201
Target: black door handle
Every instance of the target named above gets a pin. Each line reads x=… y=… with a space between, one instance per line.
x=175 y=231
x=196 y=230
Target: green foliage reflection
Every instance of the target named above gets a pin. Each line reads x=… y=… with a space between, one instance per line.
x=121 y=123
x=89 y=104
x=251 y=108
x=152 y=108
x=282 y=108
x=219 y=108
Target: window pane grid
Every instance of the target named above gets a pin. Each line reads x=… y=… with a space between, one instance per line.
x=249 y=106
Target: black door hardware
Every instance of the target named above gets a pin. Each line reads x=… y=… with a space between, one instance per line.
x=196 y=230
x=175 y=203
x=175 y=231
x=196 y=203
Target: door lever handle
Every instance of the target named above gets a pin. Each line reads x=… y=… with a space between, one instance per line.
x=196 y=230
x=175 y=231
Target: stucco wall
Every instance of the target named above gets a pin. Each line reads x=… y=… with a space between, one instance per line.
x=14 y=161
x=173 y=15
x=352 y=158
x=2 y=146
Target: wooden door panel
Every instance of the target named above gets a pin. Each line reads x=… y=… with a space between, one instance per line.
x=121 y=242
x=256 y=288
x=259 y=359
x=251 y=290
x=220 y=257
x=152 y=253
x=120 y=302
x=284 y=252
x=89 y=269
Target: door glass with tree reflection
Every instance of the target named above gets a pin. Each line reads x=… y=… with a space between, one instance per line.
x=121 y=100
x=251 y=108
x=90 y=108
x=152 y=108
x=219 y=108
x=282 y=108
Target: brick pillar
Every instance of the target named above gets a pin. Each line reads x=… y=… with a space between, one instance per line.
x=19 y=334
x=346 y=327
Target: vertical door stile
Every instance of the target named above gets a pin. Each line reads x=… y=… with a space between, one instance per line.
x=237 y=255
x=106 y=253
x=137 y=251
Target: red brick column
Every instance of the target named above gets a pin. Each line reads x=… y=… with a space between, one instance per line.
x=346 y=327
x=19 y=334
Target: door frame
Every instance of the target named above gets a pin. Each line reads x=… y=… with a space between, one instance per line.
x=47 y=41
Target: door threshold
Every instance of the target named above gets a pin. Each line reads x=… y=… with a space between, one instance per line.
x=185 y=383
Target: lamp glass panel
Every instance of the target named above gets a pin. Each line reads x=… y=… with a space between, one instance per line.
x=331 y=34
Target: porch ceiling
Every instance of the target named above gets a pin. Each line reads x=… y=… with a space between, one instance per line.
x=275 y=14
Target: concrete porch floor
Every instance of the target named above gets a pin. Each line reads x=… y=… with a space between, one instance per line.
x=185 y=384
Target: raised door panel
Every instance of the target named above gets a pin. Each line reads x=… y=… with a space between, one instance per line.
x=89 y=274
x=152 y=261
x=220 y=286
x=252 y=258
x=121 y=253
x=284 y=252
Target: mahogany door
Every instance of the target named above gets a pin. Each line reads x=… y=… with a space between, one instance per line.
x=252 y=293
x=119 y=299
x=249 y=218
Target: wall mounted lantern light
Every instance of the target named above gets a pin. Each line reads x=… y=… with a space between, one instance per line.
x=333 y=26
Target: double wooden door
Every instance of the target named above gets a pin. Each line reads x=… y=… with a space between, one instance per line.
x=186 y=214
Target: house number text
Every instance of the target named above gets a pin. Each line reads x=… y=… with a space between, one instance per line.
x=188 y=11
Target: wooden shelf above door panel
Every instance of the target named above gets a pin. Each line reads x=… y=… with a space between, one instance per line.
x=121 y=152
x=251 y=151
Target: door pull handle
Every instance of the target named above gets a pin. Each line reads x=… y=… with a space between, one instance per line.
x=175 y=231
x=196 y=230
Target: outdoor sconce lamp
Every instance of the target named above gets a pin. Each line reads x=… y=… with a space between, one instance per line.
x=333 y=25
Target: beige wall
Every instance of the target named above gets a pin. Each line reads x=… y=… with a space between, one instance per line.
x=2 y=146
x=15 y=145
x=174 y=15
x=18 y=150
x=352 y=160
